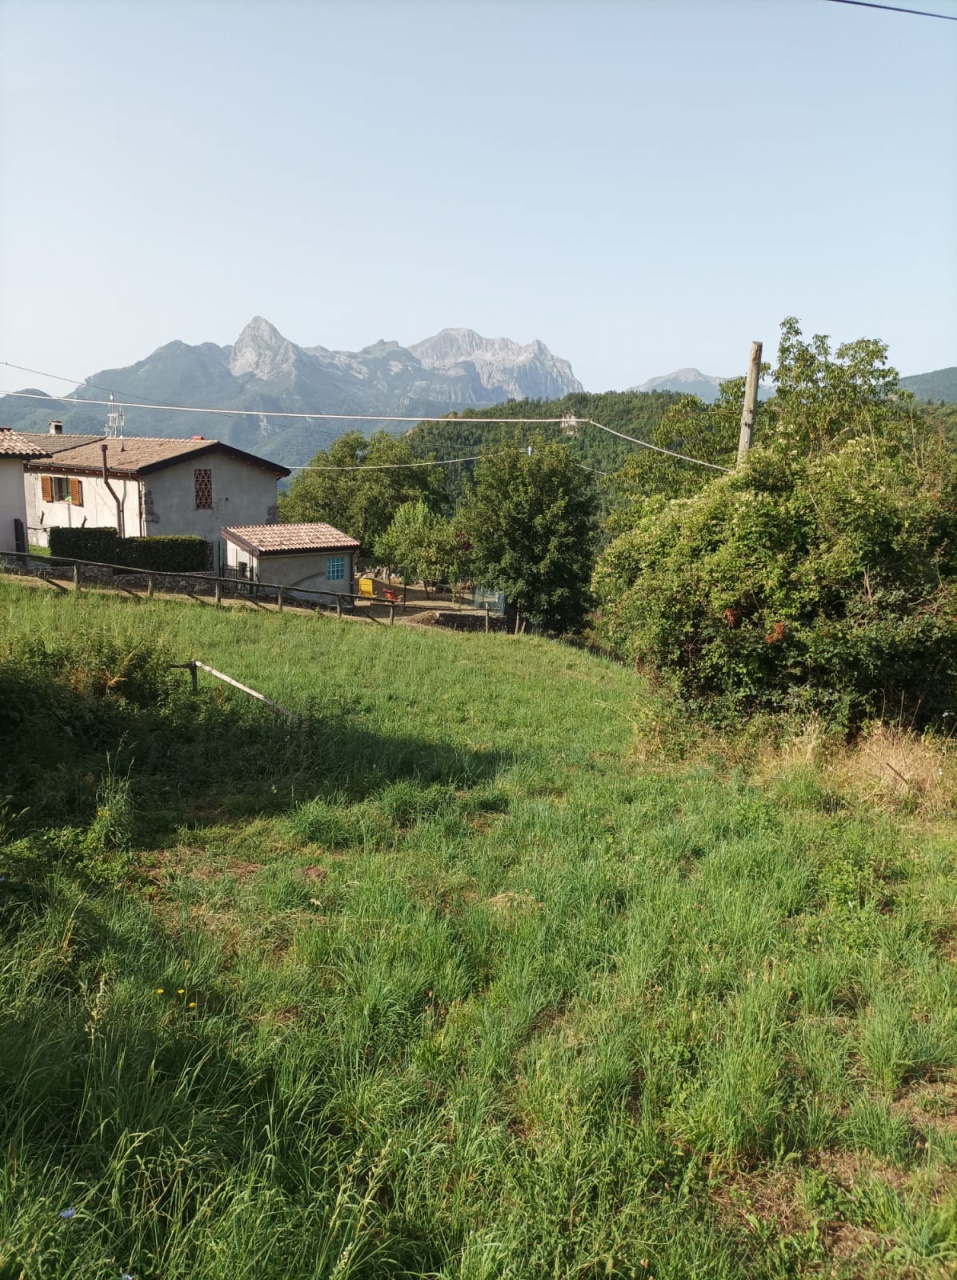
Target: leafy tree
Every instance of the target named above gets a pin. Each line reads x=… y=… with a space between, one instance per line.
x=531 y=523
x=406 y=544
x=821 y=575
x=418 y=544
x=361 y=499
x=822 y=399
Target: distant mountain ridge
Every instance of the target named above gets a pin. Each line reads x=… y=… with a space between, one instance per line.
x=265 y=371
x=692 y=382
x=689 y=382
x=941 y=384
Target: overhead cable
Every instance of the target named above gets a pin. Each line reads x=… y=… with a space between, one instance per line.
x=564 y=420
x=893 y=8
x=398 y=466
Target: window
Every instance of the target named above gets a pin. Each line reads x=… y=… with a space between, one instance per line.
x=336 y=568
x=61 y=489
x=203 y=486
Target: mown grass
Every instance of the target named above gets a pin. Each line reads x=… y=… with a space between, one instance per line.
x=445 y=979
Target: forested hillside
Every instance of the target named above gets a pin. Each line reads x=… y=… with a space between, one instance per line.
x=471 y=432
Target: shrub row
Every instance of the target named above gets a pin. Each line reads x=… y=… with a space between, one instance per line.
x=96 y=544
x=179 y=554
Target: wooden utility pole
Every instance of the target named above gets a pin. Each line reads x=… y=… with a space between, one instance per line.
x=750 y=402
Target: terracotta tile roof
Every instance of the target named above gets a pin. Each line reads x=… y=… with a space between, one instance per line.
x=269 y=539
x=14 y=444
x=57 y=443
x=137 y=455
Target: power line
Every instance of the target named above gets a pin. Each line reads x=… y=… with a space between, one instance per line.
x=432 y=462
x=268 y=413
x=398 y=466
x=654 y=447
x=78 y=382
x=893 y=8
x=565 y=420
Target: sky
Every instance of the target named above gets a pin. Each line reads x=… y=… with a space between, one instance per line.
x=641 y=184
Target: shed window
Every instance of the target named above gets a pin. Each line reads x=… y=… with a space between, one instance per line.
x=336 y=568
x=203 y=485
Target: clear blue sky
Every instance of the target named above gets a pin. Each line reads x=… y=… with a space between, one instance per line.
x=642 y=184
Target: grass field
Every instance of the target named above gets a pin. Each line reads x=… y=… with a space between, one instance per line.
x=452 y=977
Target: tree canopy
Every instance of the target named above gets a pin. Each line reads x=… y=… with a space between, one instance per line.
x=821 y=576
x=360 y=499
x=531 y=524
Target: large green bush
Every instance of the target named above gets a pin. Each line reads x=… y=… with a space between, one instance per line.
x=822 y=576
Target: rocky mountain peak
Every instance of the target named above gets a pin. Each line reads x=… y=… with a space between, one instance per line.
x=261 y=350
x=520 y=371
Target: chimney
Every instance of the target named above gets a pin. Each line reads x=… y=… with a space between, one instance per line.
x=197 y=437
x=55 y=428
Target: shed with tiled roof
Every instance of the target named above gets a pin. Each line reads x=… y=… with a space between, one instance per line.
x=314 y=557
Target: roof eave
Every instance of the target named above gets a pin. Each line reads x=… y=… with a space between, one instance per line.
x=294 y=551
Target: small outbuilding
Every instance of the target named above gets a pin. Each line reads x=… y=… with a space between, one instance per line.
x=313 y=557
x=15 y=450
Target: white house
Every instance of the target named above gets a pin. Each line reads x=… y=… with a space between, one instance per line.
x=15 y=450
x=313 y=556
x=144 y=486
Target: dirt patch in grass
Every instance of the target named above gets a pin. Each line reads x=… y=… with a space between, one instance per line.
x=930 y=1104
x=771 y=1196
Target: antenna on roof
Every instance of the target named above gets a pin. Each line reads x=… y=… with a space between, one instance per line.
x=115 y=420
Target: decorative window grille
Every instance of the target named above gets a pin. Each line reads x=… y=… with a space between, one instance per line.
x=203 y=484
x=336 y=568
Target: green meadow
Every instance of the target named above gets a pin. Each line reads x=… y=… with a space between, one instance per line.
x=479 y=968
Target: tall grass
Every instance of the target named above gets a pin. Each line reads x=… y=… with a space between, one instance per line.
x=443 y=981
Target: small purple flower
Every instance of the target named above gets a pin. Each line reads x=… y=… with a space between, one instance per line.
x=67 y=1214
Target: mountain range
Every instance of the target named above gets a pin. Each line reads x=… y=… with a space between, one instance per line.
x=262 y=371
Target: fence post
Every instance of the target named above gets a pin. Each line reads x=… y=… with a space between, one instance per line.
x=338 y=606
x=486 y=619
x=149 y=587
x=194 y=676
x=279 y=599
x=391 y=614
x=76 y=576
x=218 y=589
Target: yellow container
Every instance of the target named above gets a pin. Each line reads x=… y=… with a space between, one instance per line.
x=367 y=588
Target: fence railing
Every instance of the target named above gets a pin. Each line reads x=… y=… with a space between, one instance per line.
x=174 y=583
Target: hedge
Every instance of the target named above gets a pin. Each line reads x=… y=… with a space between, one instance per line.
x=102 y=546
x=164 y=555
x=96 y=544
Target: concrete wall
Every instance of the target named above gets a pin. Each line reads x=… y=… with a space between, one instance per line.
x=242 y=494
x=306 y=569
x=97 y=512
x=12 y=500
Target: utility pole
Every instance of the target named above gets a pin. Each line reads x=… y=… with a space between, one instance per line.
x=750 y=402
